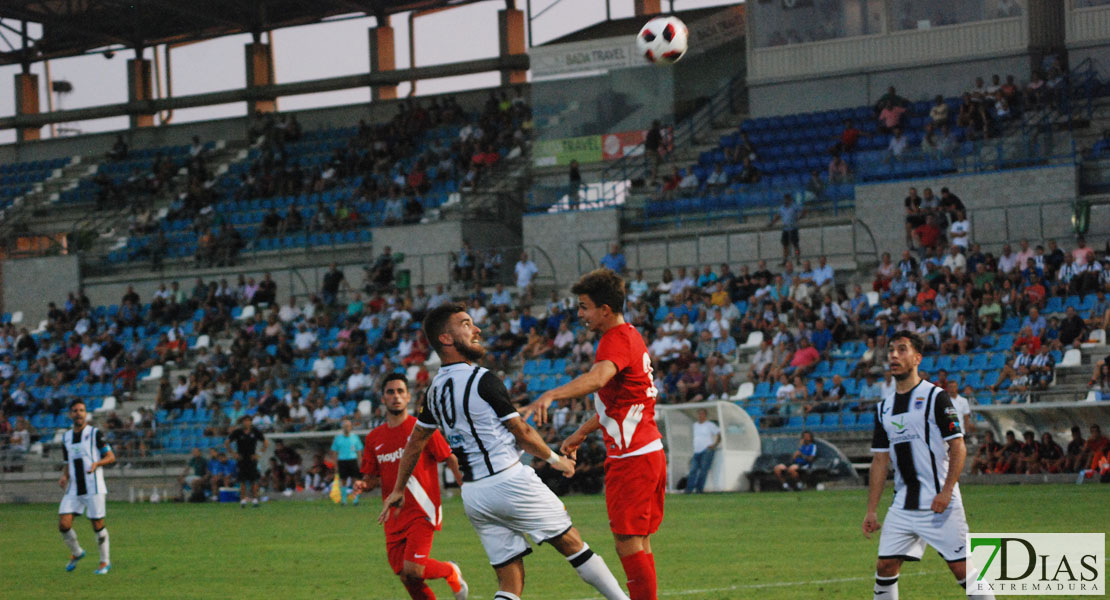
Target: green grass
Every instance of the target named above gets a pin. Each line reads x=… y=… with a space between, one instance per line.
x=772 y=545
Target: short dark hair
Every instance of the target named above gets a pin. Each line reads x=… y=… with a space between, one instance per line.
x=914 y=340
x=76 y=402
x=604 y=287
x=437 y=319
x=394 y=377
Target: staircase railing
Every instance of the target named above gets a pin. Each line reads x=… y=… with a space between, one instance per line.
x=729 y=99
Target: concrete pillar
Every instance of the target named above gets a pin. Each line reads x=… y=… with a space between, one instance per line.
x=510 y=29
x=383 y=57
x=27 y=103
x=646 y=8
x=260 y=72
x=140 y=88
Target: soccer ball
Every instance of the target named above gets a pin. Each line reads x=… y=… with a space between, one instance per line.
x=663 y=40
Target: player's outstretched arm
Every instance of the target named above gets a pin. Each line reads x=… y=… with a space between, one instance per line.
x=413 y=449
x=957 y=455
x=880 y=462
x=583 y=385
x=571 y=444
x=533 y=444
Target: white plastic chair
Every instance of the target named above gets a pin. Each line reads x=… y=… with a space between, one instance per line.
x=746 y=390
x=202 y=342
x=754 y=340
x=1072 y=358
x=17 y=317
x=108 y=406
x=365 y=408
x=155 y=373
x=872 y=298
x=248 y=312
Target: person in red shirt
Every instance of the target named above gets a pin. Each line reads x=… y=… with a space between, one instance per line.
x=927 y=235
x=636 y=466
x=408 y=534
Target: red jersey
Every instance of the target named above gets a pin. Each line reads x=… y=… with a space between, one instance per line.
x=626 y=405
x=381 y=456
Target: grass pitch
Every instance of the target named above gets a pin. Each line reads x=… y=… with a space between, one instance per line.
x=718 y=546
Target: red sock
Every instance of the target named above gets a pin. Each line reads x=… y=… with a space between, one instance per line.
x=434 y=569
x=419 y=591
x=640 y=571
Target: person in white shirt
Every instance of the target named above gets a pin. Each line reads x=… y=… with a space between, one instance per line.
x=955 y=261
x=89 y=349
x=358 y=381
x=1007 y=261
x=323 y=367
x=525 y=270
x=670 y=325
x=98 y=366
x=289 y=312
x=304 y=341
x=717 y=325
x=959 y=232
x=707 y=436
x=761 y=361
x=717 y=177
x=320 y=414
x=897 y=146
x=299 y=413
x=689 y=183
x=478 y=313
x=960 y=403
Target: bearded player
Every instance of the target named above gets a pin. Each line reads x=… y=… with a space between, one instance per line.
x=84 y=451
x=636 y=466
x=408 y=535
x=917 y=423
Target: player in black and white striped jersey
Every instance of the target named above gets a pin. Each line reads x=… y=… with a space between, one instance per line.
x=503 y=498
x=917 y=424
x=85 y=451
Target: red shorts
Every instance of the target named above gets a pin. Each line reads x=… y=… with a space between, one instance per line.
x=415 y=540
x=634 y=491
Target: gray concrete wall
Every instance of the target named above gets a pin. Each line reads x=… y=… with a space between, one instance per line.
x=30 y=283
x=856 y=89
x=426 y=248
x=1002 y=206
x=559 y=235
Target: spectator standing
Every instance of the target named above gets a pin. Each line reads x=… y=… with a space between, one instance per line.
x=329 y=289
x=789 y=213
x=525 y=270
x=707 y=437
x=615 y=261
x=654 y=149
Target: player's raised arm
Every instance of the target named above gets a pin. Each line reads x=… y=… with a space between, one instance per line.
x=409 y=458
x=583 y=385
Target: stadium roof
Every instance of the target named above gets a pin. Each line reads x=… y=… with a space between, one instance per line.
x=626 y=26
x=72 y=27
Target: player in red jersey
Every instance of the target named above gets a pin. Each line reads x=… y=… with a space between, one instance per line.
x=409 y=531
x=636 y=467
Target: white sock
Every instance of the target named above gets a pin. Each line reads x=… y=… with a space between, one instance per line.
x=592 y=569
x=102 y=545
x=886 y=588
x=505 y=596
x=69 y=536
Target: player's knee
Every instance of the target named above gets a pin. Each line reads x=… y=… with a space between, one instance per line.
x=411 y=573
x=888 y=567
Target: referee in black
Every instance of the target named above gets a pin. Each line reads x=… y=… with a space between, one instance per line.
x=246 y=439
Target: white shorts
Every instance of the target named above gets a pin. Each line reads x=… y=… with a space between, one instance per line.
x=506 y=506
x=92 y=505
x=906 y=532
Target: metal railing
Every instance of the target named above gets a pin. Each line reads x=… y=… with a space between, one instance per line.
x=729 y=99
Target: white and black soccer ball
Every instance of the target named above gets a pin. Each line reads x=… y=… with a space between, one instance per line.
x=663 y=40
